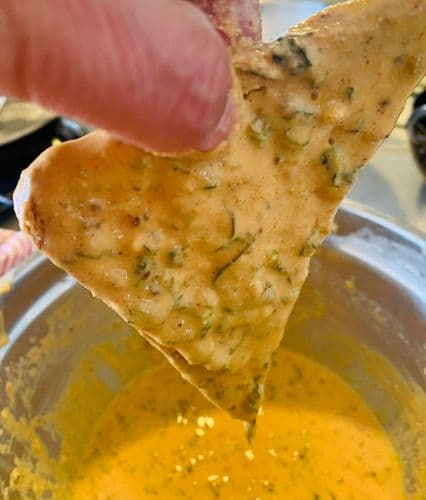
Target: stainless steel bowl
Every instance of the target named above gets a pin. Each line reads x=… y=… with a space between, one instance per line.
x=362 y=313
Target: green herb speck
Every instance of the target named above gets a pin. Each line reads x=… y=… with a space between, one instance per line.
x=143 y=266
x=335 y=162
x=349 y=93
x=177 y=256
x=273 y=261
x=86 y=255
x=312 y=244
x=232 y=221
x=243 y=245
x=278 y=160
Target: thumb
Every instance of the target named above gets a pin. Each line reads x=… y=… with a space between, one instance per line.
x=156 y=74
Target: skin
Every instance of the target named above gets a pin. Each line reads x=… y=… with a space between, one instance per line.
x=155 y=74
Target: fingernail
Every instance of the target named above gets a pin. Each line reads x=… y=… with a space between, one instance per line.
x=223 y=128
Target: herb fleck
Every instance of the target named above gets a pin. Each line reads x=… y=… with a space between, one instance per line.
x=269 y=292
x=273 y=261
x=232 y=220
x=178 y=167
x=269 y=486
x=287 y=53
x=206 y=319
x=242 y=246
x=143 y=267
x=349 y=93
x=278 y=160
x=350 y=177
x=145 y=263
x=384 y=103
x=312 y=244
x=335 y=162
x=86 y=255
x=177 y=256
x=134 y=220
x=255 y=396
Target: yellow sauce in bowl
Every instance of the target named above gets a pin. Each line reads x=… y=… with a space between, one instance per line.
x=316 y=439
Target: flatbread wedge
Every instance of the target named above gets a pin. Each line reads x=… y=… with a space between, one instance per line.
x=205 y=254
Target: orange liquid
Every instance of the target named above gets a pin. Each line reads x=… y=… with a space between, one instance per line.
x=316 y=439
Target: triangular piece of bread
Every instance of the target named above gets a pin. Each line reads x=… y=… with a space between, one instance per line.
x=205 y=255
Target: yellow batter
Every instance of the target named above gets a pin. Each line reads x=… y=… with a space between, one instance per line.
x=316 y=440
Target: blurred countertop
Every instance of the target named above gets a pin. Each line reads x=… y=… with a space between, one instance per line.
x=392 y=184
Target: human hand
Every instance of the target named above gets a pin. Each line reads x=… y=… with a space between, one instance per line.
x=154 y=73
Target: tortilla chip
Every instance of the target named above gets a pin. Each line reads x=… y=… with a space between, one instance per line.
x=205 y=255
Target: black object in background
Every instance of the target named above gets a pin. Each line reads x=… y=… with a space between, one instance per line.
x=17 y=155
x=416 y=127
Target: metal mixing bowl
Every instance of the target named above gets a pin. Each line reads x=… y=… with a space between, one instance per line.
x=365 y=298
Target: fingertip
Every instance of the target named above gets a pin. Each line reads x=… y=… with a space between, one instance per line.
x=155 y=74
x=223 y=128
x=189 y=107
